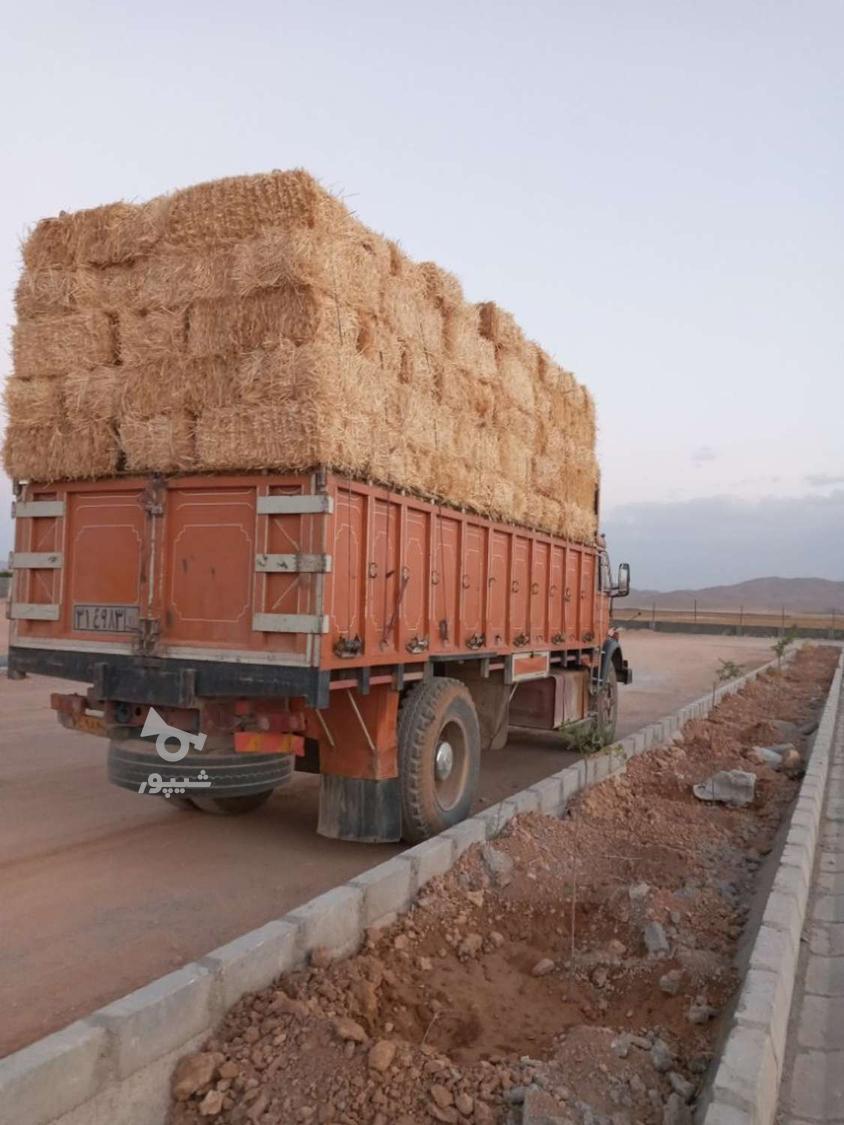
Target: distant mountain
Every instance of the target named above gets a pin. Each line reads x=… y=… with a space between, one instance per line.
x=759 y=595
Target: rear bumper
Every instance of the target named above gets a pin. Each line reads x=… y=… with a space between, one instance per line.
x=172 y=683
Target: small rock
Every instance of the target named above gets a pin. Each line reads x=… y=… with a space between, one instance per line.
x=655 y=940
x=640 y=1041
x=321 y=957
x=496 y=938
x=727 y=787
x=681 y=1086
x=192 y=1073
x=471 y=945
x=229 y=1069
x=400 y=942
x=475 y=897
x=426 y=964
x=670 y=982
x=515 y=1095
x=447 y=1115
x=465 y=1104
x=211 y=1104
x=498 y=864
x=676 y=1112
x=600 y=976
x=636 y=1084
x=621 y=1046
x=543 y=968
x=638 y=892
x=701 y=1013
x=441 y=1095
x=349 y=1030
x=381 y=1055
x=661 y=1056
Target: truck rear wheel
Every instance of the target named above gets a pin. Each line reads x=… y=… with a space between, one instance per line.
x=439 y=746
x=606 y=717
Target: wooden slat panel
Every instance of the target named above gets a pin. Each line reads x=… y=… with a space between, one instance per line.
x=36 y=560
x=34 y=509
x=289 y=623
x=291 y=505
x=293 y=564
x=26 y=611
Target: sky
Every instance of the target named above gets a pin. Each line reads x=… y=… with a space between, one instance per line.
x=654 y=189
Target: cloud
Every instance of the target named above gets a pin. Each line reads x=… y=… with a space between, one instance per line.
x=703 y=453
x=720 y=539
x=823 y=480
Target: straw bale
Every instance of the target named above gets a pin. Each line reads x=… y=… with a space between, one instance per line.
x=151 y=336
x=282 y=436
x=409 y=313
x=117 y=232
x=33 y=402
x=253 y=323
x=464 y=344
x=240 y=207
x=51 y=345
x=516 y=380
x=441 y=287
x=264 y=318
x=177 y=277
x=90 y=451
x=498 y=325
x=29 y=452
x=91 y=396
x=161 y=443
x=352 y=267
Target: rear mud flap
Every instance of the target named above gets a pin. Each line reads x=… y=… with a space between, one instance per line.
x=359 y=809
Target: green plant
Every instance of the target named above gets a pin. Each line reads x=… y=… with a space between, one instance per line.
x=781 y=644
x=583 y=738
x=729 y=670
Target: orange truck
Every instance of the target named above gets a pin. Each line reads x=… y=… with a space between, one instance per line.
x=233 y=628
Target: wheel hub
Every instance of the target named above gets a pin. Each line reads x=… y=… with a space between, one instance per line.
x=444 y=761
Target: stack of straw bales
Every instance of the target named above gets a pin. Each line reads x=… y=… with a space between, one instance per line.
x=253 y=323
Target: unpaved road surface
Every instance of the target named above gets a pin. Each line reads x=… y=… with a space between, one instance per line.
x=102 y=891
x=584 y=966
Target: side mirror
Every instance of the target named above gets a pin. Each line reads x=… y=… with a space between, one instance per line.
x=623 y=587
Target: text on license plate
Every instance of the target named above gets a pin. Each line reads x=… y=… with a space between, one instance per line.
x=105 y=618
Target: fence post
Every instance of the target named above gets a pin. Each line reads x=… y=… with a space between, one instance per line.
x=653 y=616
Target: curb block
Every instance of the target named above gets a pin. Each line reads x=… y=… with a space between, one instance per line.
x=745 y=1089
x=116 y=1065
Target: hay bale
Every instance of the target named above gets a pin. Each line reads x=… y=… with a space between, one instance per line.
x=34 y=402
x=253 y=323
x=161 y=443
x=350 y=268
x=152 y=336
x=240 y=207
x=53 y=345
x=441 y=287
x=175 y=278
x=499 y=326
x=117 y=232
x=260 y=320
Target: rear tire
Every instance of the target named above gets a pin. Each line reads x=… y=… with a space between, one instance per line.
x=606 y=718
x=439 y=746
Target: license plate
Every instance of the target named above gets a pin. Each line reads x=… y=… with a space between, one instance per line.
x=106 y=618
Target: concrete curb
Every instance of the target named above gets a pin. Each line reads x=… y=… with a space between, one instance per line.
x=745 y=1088
x=116 y=1064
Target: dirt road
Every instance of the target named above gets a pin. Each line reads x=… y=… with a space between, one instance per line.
x=103 y=890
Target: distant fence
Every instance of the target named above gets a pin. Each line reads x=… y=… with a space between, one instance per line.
x=733 y=623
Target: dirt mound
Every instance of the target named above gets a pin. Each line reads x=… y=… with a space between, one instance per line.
x=582 y=968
